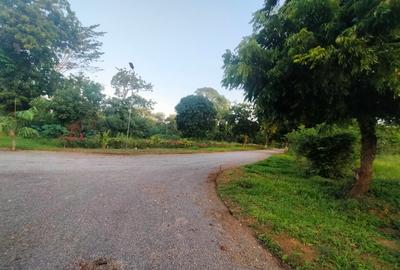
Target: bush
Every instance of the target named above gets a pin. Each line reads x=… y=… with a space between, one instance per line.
x=76 y=142
x=329 y=152
x=104 y=141
x=52 y=131
x=103 y=138
x=388 y=139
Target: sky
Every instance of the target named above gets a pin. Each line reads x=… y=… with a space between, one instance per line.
x=176 y=45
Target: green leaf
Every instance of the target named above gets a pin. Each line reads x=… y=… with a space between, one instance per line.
x=27 y=132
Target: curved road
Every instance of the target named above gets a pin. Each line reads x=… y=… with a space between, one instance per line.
x=62 y=210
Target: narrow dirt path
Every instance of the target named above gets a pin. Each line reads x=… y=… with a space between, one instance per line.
x=66 y=210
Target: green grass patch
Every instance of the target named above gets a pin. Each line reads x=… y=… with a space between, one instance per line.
x=308 y=223
x=30 y=144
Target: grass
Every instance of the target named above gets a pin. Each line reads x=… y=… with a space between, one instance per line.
x=30 y=144
x=307 y=222
x=57 y=145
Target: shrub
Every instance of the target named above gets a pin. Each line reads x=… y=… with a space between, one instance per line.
x=121 y=142
x=76 y=142
x=103 y=138
x=388 y=139
x=27 y=132
x=329 y=152
x=52 y=131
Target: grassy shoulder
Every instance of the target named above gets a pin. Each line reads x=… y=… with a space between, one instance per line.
x=307 y=223
x=43 y=144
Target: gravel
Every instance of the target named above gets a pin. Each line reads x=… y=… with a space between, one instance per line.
x=65 y=210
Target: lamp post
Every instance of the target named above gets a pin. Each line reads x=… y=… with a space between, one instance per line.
x=130 y=112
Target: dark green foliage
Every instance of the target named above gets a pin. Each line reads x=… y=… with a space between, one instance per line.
x=38 y=41
x=329 y=154
x=44 y=114
x=78 y=99
x=154 y=142
x=316 y=61
x=52 y=131
x=89 y=142
x=115 y=114
x=243 y=122
x=196 y=116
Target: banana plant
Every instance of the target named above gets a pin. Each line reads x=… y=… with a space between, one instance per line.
x=15 y=125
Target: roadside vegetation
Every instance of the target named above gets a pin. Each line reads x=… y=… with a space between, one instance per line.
x=328 y=71
x=299 y=207
x=310 y=62
x=51 y=99
x=135 y=146
x=306 y=220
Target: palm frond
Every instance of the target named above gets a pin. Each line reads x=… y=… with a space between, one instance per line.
x=26 y=115
x=7 y=123
x=27 y=132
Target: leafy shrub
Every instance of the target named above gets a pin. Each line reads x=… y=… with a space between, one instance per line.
x=103 y=138
x=388 y=139
x=329 y=152
x=76 y=142
x=26 y=132
x=52 y=131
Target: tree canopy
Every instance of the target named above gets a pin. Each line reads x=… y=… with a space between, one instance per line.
x=126 y=83
x=77 y=100
x=196 y=116
x=39 y=41
x=314 y=61
x=243 y=121
x=221 y=103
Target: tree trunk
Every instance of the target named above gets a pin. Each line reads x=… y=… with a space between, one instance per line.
x=368 y=152
x=246 y=139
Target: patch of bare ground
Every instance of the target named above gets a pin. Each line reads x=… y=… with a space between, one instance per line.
x=390 y=244
x=375 y=262
x=224 y=176
x=381 y=213
x=100 y=264
x=237 y=239
x=293 y=247
x=390 y=232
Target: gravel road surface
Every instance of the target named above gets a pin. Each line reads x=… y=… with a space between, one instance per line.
x=65 y=210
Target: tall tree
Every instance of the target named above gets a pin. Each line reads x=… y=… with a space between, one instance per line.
x=78 y=100
x=195 y=116
x=115 y=113
x=314 y=61
x=221 y=103
x=243 y=121
x=127 y=85
x=40 y=39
